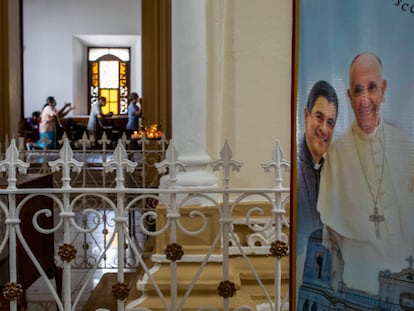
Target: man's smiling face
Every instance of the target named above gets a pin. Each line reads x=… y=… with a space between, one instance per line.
x=319 y=127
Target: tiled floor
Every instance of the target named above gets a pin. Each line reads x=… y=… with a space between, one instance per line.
x=39 y=297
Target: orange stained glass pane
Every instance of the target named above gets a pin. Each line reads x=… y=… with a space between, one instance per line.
x=112 y=100
x=122 y=69
x=113 y=107
x=113 y=95
x=95 y=74
x=95 y=68
x=105 y=93
x=105 y=109
x=95 y=80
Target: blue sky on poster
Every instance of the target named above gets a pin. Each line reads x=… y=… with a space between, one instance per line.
x=332 y=32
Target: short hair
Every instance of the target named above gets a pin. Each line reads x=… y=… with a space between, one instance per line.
x=133 y=95
x=36 y=113
x=102 y=98
x=322 y=88
x=366 y=52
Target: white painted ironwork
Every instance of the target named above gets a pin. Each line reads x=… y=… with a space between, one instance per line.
x=171 y=164
x=124 y=211
x=226 y=163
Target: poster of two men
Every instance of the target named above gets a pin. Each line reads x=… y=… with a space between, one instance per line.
x=354 y=134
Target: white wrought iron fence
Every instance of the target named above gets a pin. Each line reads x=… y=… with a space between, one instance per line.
x=240 y=233
x=93 y=154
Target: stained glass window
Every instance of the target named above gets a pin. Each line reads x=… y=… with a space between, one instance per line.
x=109 y=76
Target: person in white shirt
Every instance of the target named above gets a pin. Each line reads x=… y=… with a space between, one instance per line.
x=96 y=112
x=365 y=201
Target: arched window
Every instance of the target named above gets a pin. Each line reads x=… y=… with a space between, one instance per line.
x=109 y=76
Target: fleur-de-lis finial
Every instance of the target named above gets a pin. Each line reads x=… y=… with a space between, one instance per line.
x=104 y=140
x=278 y=163
x=226 y=163
x=66 y=161
x=85 y=142
x=119 y=162
x=11 y=163
x=125 y=140
x=171 y=163
x=62 y=140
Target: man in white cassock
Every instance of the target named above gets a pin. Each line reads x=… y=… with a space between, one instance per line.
x=365 y=201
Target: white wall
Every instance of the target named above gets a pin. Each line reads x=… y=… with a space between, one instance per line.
x=253 y=110
x=55 y=35
x=260 y=57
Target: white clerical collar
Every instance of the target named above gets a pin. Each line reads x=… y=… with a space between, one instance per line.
x=362 y=135
x=317 y=165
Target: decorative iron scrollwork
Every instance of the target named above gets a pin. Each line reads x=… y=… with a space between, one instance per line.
x=226 y=289
x=12 y=291
x=279 y=249
x=120 y=291
x=174 y=252
x=67 y=252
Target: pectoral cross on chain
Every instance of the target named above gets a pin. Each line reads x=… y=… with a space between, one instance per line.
x=376 y=218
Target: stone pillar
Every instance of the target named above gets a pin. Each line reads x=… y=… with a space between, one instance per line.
x=189 y=93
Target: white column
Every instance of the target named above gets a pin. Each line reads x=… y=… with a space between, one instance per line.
x=189 y=93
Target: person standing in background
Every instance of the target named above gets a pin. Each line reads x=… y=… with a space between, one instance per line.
x=96 y=112
x=47 y=127
x=134 y=113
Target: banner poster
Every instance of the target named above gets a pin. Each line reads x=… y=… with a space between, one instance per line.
x=354 y=109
